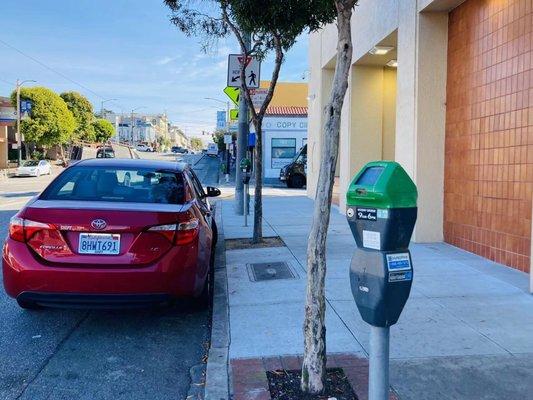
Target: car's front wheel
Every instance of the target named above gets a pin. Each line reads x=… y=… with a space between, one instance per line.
x=297 y=181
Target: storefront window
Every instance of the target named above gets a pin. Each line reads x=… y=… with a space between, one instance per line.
x=283 y=151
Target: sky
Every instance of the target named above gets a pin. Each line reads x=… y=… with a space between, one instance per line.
x=126 y=50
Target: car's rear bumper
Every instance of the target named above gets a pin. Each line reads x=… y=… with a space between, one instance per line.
x=75 y=300
x=176 y=274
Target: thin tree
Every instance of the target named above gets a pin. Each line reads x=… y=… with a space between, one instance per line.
x=274 y=27
x=314 y=362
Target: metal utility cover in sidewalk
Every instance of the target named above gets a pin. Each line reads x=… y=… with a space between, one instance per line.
x=270 y=271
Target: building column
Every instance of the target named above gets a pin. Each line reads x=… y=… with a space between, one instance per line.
x=318 y=98
x=421 y=112
x=362 y=124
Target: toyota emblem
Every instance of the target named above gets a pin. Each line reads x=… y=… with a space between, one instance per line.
x=98 y=224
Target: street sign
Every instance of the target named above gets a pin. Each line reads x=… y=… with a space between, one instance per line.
x=234 y=114
x=232 y=127
x=258 y=96
x=233 y=94
x=227 y=139
x=221 y=119
x=252 y=70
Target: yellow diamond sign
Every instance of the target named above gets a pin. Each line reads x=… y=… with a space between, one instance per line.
x=233 y=94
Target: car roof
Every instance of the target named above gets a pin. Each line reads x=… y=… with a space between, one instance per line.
x=133 y=163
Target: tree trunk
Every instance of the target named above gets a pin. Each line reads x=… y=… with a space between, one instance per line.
x=258 y=191
x=314 y=363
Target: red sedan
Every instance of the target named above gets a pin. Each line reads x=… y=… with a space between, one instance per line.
x=113 y=232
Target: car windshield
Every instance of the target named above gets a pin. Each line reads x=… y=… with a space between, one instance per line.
x=117 y=184
x=30 y=163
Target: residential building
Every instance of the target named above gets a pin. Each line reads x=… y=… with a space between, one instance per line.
x=178 y=137
x=444 y=87
x=146 y=127
x=8 y=143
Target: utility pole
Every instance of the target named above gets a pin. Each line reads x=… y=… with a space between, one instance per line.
x=19 y=136
x=102 y=106
x=242 y=141
x=132 y=123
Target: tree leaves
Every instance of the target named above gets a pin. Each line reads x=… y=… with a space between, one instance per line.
x=103 y=130
x=82 y=110
x=51 y=122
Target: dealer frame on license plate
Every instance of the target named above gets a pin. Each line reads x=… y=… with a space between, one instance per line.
x=99 y=244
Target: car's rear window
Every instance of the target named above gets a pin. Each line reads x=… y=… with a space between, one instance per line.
x=132 y=185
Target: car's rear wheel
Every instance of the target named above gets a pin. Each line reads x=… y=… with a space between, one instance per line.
x=297 y=181
x=204 y=300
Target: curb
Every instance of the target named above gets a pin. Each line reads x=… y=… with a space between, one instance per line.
x=216 y=380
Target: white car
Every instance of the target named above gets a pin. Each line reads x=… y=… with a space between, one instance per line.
x=34 y=168
x=143 y=147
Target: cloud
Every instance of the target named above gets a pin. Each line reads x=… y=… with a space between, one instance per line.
x=165 y=60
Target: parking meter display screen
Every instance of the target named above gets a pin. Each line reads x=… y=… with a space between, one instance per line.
x=370 y=176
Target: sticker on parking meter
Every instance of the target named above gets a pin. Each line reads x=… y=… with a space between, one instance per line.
x=383 y=214
x=372 y=240
x=398 y=262
x=400 y=276
x=367 y=214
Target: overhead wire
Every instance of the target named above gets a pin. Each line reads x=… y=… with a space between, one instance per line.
x=54 y=71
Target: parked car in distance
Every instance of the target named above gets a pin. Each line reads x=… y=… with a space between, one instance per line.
x=113 y=233
x=105 y=152
x=143 y=147
x=179 y=150
x=34 y=168
x=295 y=173
x=212 y=149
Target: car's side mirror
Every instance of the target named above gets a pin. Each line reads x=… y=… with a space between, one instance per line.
x=213 y=191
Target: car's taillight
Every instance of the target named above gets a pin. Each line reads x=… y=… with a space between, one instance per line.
x=187 y=231
x=179 y=233
x=16 y=229
x=22 y=230
x=168 y=231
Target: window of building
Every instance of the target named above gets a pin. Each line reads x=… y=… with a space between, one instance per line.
x=283 y=151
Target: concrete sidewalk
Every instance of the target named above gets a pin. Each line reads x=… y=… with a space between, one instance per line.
x=466 y=331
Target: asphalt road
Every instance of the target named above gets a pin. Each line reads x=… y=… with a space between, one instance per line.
x=78 y=354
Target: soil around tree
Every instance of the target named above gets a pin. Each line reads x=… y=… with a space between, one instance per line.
x=246 y=243
x=285 y=385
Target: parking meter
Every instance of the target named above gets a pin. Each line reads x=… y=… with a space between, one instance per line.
x=246 y=167
x=381 y=211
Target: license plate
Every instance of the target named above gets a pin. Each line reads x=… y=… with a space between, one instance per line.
x=99 y=243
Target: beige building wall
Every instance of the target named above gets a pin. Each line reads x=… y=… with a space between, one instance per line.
x=393 y=114
x=3 y=147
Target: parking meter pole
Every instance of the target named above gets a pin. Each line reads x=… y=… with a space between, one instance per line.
x=378 y=376
x=242 y=140
x=246 y=206
x=227 y=162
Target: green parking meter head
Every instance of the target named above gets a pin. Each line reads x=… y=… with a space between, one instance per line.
x=382 y=184
x=245 y=165
x=381 y=207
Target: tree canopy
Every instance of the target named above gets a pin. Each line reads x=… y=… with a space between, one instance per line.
x=197 y=144
x=265 y=20
x=103 y=130
x=82 y=110
x=51 y=122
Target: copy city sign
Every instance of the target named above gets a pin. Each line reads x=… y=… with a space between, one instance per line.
x=252 y=70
